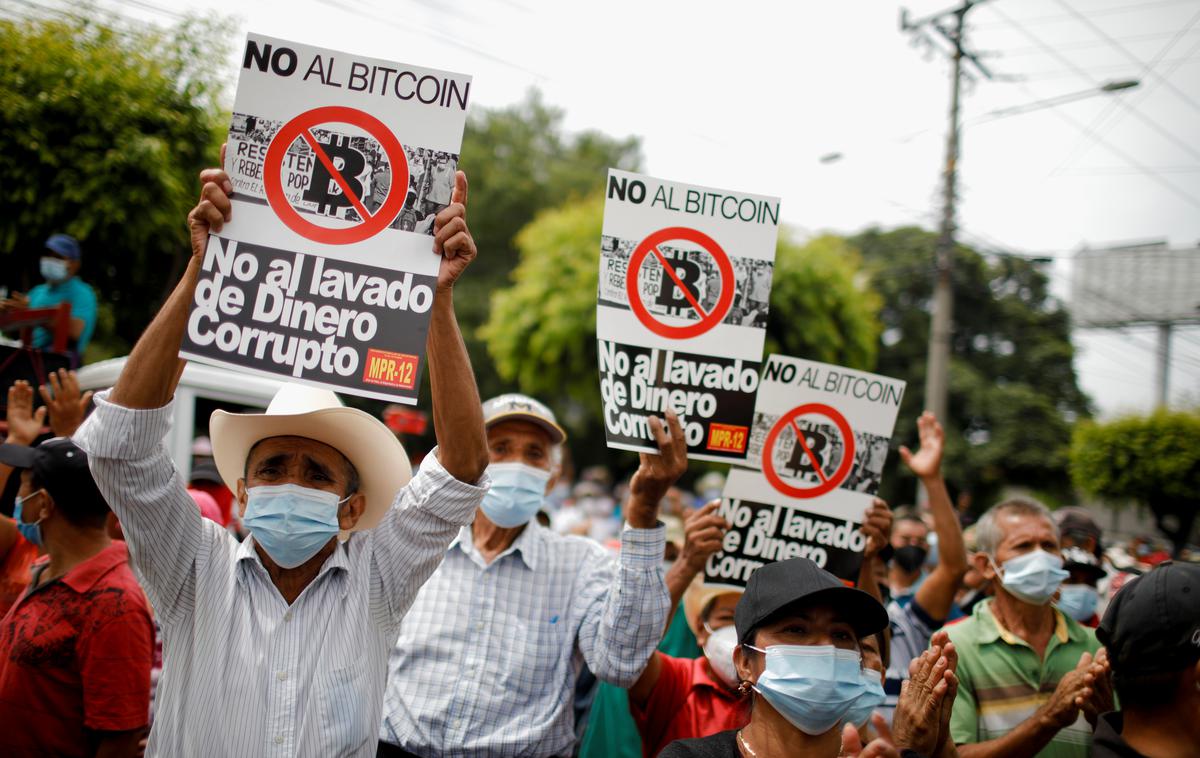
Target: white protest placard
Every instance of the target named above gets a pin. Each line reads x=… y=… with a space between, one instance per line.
x=685 y=280
x=818 y=444
x=326 y=274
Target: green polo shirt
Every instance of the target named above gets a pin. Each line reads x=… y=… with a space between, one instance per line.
x=1002 y=682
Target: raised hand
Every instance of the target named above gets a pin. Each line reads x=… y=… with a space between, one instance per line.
x=451 y=238
x=1072 y=692
x=927 y=461
x=1099 y=679
x=24 y=423
x=703 y=533
x=67 y=405
x=876 y=527
x=213 y=210
x=656 y=473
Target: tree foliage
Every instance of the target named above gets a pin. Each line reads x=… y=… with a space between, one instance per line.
x=103 y=128
x=1152 y=460
x=1013 y=392
x=542 y=330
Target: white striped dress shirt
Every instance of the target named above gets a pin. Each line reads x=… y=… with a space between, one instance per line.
x=488 y=657
x=244 y=673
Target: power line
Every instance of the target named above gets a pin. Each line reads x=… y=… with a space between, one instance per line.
x=1085 y=44
x=1105 y=35
x=1086 y=75
x=1109 y=117
x=1137 y=7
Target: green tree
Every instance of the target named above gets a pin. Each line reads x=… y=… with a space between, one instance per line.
x=542 y=330
x=103 y=128
x=1151 y=460
x=1013 y=392
x=521 y=162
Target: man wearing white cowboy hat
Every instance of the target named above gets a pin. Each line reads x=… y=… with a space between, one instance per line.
x=278 y=646
x=487 y=661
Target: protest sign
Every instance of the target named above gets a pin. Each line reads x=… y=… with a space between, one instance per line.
x=326 y=273
x=818 y=443
x=685 y=278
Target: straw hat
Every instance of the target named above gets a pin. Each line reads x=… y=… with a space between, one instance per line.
x=299 y=410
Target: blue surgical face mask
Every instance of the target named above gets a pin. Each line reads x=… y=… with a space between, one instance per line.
x=1033 y=577
x=1078 y=601
x=292 y=523
x=31 y=532
x=516 y=493
x=871 y=698
x=53 y=270
x=813 y=686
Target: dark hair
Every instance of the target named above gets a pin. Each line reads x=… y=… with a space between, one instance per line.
x=352 y=479
x=85 y=509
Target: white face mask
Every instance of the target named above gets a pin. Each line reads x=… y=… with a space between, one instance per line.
x=718 y=649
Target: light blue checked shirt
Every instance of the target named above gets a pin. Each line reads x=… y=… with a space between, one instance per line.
x=488 y=655
x=244 y=674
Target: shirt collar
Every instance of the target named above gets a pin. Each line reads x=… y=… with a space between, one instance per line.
x=702 y=676
x=84 y=576
x=529 y=544
x=991 y=630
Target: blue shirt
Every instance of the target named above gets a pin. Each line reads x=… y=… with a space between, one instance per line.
x=83 y=307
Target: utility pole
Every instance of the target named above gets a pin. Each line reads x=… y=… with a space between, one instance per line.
x=941 y=328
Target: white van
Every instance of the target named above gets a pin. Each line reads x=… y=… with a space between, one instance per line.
x=202 y=389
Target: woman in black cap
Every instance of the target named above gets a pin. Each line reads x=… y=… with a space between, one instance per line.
x=799 y=630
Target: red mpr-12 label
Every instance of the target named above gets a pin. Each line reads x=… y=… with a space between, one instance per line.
x=727 y=438
x=390 y=369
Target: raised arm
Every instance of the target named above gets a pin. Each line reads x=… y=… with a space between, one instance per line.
x=703 y=532
x=625 y=617
x=936 y=593
x=412 y=539
x=877 y=528
x=457 y=415
x=152 y=371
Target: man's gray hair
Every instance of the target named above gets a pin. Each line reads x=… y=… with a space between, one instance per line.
x=988 y=533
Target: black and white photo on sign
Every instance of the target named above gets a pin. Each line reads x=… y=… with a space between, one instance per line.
x=696 y=270
x=362 y=162
x=825 y=442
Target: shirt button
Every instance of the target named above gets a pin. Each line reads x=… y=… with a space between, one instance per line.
x=279 y=739
x=287 y=616
x=281 y=676
x=479 y=626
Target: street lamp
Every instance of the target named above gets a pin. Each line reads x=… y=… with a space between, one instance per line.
x=1016 y=110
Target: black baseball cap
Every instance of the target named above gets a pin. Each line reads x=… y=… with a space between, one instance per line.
x=1153 y=623
x=783 y=583
x=61 y=467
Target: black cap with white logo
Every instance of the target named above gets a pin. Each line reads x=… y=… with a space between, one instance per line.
x=783 y=583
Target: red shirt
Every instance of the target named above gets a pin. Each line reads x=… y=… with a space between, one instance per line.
x=14 y=572
x=75 y=656
x=687 y=701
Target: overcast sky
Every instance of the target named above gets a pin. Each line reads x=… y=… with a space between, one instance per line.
x=749 y=95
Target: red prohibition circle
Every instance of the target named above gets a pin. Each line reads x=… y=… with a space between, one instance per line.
x=371 y=224
x=827 y=484
x=707 y=320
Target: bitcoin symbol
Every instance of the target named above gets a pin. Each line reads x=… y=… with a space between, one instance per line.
x=324 y=190
x=801 y=464
x=670 y=296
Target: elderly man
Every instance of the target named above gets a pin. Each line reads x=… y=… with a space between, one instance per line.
x=1028 y=683
x=487 y=660
x=278 y=646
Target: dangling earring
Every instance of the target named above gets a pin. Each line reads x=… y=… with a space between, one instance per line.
x=744 y=687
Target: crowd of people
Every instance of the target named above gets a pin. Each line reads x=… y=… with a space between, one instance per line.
x=307 y=594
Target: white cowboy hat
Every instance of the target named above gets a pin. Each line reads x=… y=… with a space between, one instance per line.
x=298 y=410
